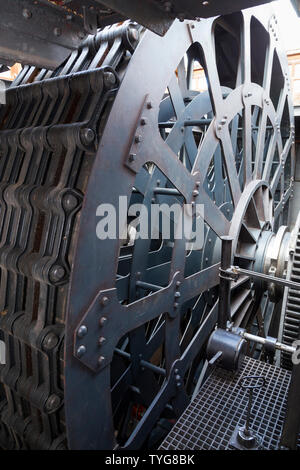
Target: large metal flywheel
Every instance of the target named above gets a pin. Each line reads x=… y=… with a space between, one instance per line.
x=120 y=325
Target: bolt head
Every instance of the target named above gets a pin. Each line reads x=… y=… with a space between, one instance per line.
x=87 y=136
x=27 y=14
x=138 y=139
x=69 y=202
x=53 y=402
x=50 y=341
x=82 y=331
x=144 y=121
x=57 y=32
x=101 y=360
x=104 y=301
x=168 y=7
x=149 y=105
x=109 y=79
x=57 y=273
x=101 y=341
x=102 y=321
x=81 y=351
x=133 y=35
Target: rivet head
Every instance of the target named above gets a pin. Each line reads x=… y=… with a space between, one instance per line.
x=102 y=321
x=138 y=139
x=104 y=301
x=143 y=121
x=81 y=351
x=57 y=32
x=27 y=14
x=82 y=331
x=101 y=360
x=149 y=105
x=167 y=7
x=101 y=341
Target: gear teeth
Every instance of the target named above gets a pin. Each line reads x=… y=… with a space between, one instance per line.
x=291 y=325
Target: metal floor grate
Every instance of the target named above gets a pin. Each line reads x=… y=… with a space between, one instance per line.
x=211 y=418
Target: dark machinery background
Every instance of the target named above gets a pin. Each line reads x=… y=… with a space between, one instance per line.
x=109 y=344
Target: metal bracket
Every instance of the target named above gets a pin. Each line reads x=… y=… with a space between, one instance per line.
x=90 y=343
x=229 y=274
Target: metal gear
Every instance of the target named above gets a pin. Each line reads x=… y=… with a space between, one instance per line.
x=129 y=317
x=291 y=302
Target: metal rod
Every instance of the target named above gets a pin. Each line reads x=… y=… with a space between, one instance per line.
x=167 y=191
x=199 y=122
x=189 y=123
x=224 y=289
x=167 y=124
x=146 y=364
x=148 y=286
x=264 y=341
x=264 y=277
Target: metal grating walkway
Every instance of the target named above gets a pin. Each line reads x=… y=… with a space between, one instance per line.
x=211 y=418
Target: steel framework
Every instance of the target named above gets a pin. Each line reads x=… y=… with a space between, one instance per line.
x=105 y=339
